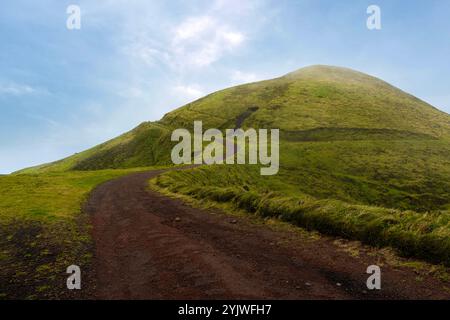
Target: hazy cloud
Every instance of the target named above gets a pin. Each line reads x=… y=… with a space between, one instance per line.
x=189 y=92
x=239 y=77
x=194 y=42
x=201 y=41
x=16 y=89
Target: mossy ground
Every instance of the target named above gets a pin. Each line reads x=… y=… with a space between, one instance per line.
x=43 y=231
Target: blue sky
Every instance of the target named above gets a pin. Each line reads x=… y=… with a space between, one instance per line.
x=62 y=91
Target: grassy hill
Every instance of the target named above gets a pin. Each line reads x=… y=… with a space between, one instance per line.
x=345 y=135
x=358 y=157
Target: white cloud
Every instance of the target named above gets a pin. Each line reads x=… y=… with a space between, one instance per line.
x=197 y=41
x=238 y=7
x=239 y=77
x=147 y=51
x=192 y=28
x=188 y=92
x=16 y=89
x=201 y=41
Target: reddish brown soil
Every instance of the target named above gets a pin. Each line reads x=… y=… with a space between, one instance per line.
x=149 y=246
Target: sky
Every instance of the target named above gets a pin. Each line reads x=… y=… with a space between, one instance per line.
x=65 y=90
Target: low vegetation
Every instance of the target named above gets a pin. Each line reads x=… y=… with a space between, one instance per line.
x=420 y=235
x=43 y=231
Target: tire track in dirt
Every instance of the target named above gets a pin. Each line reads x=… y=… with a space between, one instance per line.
x=149 y=246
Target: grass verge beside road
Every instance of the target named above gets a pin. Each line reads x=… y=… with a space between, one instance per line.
x=43 y=231
x=424 y=235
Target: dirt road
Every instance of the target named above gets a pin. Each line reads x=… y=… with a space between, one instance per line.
x=149 y=246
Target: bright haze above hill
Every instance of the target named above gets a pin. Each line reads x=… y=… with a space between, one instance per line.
x=63 y=91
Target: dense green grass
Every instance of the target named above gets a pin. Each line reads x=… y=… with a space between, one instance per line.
x=401 y=174
x=42 y=230
x=421 y=235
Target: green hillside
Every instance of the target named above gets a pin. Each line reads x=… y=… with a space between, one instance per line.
x=345 y=135
x=136 y=148
x=358 y=157
x=318 y=97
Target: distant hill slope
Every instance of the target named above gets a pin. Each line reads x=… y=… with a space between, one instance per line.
x=136 y=148
x=310 y=104
x=345 y=135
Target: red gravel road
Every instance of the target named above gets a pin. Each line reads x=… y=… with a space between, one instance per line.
x=149 y=246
